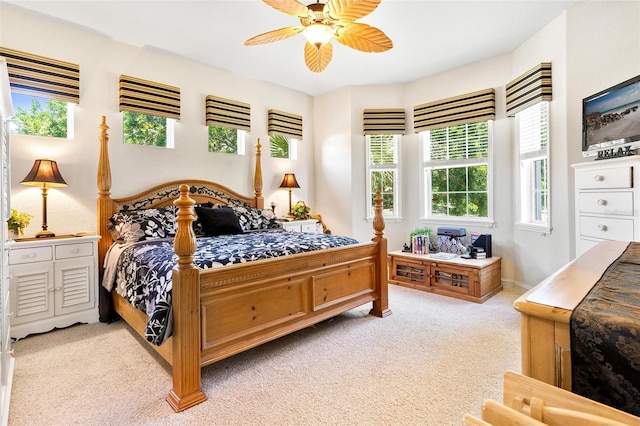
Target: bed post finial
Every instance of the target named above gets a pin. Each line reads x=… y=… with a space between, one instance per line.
x=185 y=293
x=381 y=304
x=184 y=243
x=257 y=177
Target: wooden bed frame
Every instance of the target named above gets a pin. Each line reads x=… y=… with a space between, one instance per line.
x=546 y=311
x=221 y=312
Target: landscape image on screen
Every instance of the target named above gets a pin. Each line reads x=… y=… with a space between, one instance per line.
x=613 y=115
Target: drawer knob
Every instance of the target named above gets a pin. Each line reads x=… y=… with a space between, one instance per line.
x=598 y=178
x=602 y=228
x=602 y=202
x=31 y=255
x=75 y=250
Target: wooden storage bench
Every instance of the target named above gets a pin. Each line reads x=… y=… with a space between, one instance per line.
x=475 y=280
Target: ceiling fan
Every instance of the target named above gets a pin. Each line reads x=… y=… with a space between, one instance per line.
x=320 y=22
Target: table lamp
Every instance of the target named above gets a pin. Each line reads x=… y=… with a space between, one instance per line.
x=44 y=174
x=289 y=182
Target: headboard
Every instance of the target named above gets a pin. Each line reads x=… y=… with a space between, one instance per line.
x=165 y=194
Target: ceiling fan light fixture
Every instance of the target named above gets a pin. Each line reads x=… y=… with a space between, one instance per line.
x=318 y=34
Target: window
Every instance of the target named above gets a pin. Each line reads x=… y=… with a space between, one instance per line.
x=532 y=134
x=283 y=147
x=383 y=173
x=226 y=140
x=145 y=129
x=38 y=116
x=456 y=171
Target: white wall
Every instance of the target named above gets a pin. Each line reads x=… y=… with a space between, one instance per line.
x=102 y=61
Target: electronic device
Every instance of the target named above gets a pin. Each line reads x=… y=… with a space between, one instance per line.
x=610 y=124
x=451 y=231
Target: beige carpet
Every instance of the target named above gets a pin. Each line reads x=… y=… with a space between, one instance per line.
x=430 y=362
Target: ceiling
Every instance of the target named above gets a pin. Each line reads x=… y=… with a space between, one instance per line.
x=429 y=37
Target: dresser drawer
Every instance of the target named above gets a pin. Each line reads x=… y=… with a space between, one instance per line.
x=606 y=228
x=30 y=255
x=614 y=177
x=612 y=203
x=68 y=251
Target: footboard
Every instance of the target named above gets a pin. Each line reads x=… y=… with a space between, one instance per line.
x=246 y=305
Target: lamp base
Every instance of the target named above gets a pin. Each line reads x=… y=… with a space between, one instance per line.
x=45 y=234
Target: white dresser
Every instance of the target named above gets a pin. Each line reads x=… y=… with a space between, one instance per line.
x=306 y=225
x=607 y=201
x=53 y=283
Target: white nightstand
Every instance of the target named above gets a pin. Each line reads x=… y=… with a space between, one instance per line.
x=53 y=283
x=306 y=225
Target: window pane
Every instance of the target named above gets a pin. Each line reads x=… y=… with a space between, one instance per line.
x=478 y=178
x=279 y=146
x=457 y=204
x=438 y=145
x=384 y=181
x=439 y=204
x=458 y=179
x=143 y=129
x=223 y=140
x=478 y=204
x=439 y=180
x=39 y=116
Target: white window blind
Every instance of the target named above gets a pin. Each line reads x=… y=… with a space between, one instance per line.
x=533 y=130
x=460 y=142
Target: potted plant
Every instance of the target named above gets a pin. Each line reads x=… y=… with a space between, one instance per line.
x=300 y=211
x=18 y=221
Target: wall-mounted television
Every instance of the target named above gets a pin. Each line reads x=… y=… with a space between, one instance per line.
x=611 y=120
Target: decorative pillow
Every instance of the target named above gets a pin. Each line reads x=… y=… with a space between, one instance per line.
x=251 y=218
x=218 y=221
x=197 y=224
x=147 y=224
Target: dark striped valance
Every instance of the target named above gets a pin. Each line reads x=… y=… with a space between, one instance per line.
x=530 y=88
x=227 y=113
x=383 y=121
x=43 y=77
x=469 y=108
x=148 y=97
x=284 y=124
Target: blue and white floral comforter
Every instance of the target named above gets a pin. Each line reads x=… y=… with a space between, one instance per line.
x=142 y=271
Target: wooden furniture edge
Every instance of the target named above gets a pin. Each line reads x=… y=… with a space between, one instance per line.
x=520 y=389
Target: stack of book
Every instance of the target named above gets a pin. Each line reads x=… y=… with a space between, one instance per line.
x=478 y=253
x=420 y=244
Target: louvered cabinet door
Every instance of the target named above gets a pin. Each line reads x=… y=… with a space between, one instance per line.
x=74 y=285
x=31 y=292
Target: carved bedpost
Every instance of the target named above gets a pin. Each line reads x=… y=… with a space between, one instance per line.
x=257 y=177
x=381 y=305
x=104 y=202
x=187 y=390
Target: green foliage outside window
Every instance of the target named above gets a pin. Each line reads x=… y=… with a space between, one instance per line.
x=143 y=129
x=223 y=140
x=50 y=120
x=279 y=146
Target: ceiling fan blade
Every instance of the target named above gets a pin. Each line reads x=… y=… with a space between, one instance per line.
x=350 y=10
x=275 y=35
x=317 y=59
x=363 y=37
x=290 y=7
